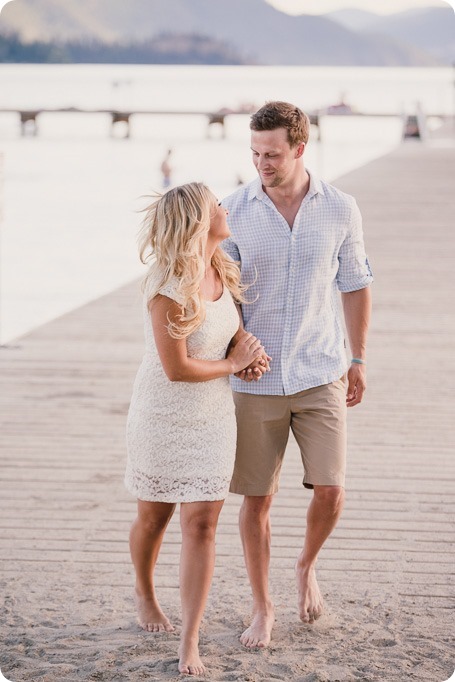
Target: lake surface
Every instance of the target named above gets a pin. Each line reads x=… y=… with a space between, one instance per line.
x=69 y=198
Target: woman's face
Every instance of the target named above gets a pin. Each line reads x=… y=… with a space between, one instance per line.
x=219 y=229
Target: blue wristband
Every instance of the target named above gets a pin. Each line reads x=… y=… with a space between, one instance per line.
x=358 y=361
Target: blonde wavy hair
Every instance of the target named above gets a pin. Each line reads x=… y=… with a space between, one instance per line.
x=172 y=239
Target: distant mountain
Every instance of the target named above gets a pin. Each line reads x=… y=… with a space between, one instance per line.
x=429 y=29
x=432 y=30
x=353 y=19
x=254 y=30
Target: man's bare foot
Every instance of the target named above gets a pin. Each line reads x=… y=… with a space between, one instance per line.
x=190 y=662
x=150 y=615
x=310 y=598
x=259 y=633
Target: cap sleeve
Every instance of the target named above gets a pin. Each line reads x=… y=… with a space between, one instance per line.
x=171 y=291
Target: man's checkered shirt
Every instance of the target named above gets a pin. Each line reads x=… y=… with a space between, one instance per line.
x=295 y=277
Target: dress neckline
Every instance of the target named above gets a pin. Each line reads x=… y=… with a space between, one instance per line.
x=217 y=299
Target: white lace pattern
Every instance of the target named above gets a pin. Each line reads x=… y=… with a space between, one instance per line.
x=181 y=436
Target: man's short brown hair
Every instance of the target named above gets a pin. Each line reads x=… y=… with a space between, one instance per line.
x=283 y=115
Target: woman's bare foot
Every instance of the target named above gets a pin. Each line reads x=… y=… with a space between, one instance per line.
x=190 y=662
x=150 y=615
x=311 y=602
x=259 y=633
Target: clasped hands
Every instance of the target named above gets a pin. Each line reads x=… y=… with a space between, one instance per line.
x=256 y=369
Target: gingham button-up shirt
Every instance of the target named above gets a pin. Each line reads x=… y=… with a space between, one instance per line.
x=295 y=277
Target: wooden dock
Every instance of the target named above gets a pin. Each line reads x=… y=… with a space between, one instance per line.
x=387 y=572
x=413 y=125
x=29 y=117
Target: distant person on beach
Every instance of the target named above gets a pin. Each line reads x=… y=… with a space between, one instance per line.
x=166 y=170
x=181 y=428
x=299 y=240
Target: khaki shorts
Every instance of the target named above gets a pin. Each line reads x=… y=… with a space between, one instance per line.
x=317 y=418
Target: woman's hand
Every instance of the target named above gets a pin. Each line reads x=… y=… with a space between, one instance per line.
x=246 y=350
x=256 y=369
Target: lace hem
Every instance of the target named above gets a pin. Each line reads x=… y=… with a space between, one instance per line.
x=166 y=489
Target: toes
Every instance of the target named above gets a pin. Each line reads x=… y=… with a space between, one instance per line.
x=247 y=639
x=196 y=670
x=157 y=627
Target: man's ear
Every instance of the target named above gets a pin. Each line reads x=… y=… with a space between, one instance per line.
x=299 y=150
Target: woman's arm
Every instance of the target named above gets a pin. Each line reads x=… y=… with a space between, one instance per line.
x=173 y=352
x=259 y=366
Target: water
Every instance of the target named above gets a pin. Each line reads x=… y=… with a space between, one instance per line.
x=70 y=196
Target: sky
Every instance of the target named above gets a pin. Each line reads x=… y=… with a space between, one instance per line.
x=376 y=6
x=323 y=6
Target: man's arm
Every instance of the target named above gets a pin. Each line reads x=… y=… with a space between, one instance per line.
x=357 y=313
x=259 y=366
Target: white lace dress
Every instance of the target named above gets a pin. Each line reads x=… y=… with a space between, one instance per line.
x=181 y=436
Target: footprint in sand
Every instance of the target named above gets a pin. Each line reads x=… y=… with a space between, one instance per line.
x=384 y=642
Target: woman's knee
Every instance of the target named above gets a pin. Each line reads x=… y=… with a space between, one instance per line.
x=200 y=524
x=153 y=518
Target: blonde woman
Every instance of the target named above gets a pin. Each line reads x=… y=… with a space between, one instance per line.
x=181 y=432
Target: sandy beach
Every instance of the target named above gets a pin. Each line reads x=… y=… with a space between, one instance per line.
x=387 y=572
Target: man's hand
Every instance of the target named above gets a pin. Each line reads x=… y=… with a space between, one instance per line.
x=257 y=368
x=357 y=384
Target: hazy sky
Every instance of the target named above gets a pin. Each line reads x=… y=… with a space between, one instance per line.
x=377 y=6
x=323 y=6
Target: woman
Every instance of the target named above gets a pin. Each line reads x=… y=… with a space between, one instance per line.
x=181 y=431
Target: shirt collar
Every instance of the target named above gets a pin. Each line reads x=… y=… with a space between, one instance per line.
x=256 y=192
x=315 y=185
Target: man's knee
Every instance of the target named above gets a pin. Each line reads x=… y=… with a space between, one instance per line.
x=257 y=506
x=331 y=496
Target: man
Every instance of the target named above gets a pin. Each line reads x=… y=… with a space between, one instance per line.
x=299 y=242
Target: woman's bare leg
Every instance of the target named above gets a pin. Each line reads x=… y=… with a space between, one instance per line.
x=198 y=521
x=146 y=536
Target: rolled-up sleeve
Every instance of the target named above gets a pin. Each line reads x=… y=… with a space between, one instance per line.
x=354 y=270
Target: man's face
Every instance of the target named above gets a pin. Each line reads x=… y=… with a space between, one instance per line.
x=275 y=161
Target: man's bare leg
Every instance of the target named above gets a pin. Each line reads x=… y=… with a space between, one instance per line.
x=322 y=516
x=146 y=536
x=255 y=534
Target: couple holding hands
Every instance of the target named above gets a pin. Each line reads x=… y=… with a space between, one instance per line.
x=246 y=289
